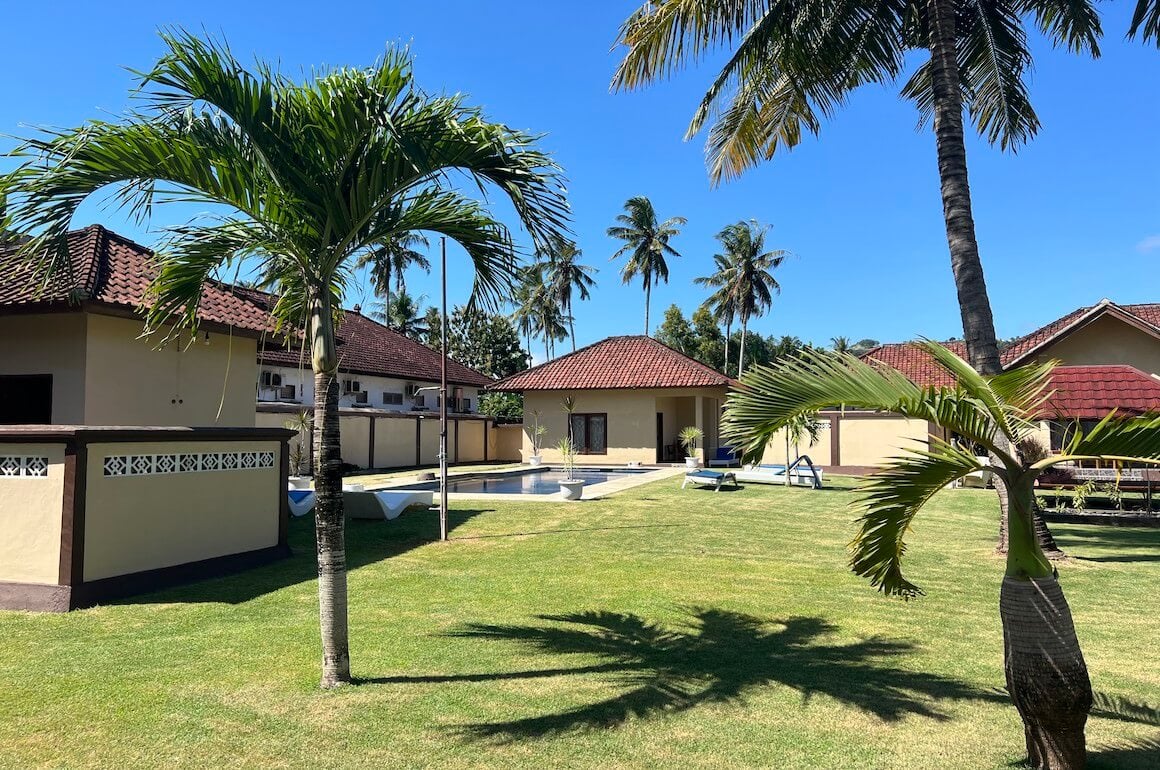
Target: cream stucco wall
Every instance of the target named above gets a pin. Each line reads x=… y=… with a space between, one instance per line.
x=49 y=344
x=429 y=441
x=505 y=443
x=631 y=419
x=30 y=518
x=394 y=443
x=129 y=381
x=1107 y=340
x=471 y=438
x=819 y=452
x=872 y=441
x=136 y=523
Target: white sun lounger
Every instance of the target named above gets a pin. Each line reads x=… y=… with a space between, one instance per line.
x=704 y=478
x=365 y=505
x=799 y=476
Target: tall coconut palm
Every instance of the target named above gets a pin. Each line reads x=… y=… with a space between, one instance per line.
x=310 y=176
x=1045 y=670
x=404 y=314
x=840 y=345
x=390 y=262
x=747 y=275
x=526 y=300
x=550 y=321
x=646 y=242
x=563 y=275
x=721 y=304
x=794 y=63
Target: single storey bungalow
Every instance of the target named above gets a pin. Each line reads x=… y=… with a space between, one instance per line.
x=633 y=395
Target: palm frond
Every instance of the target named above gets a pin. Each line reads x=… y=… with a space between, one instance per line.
x=1113 y=438
x=1146 y=21
x=890 y=499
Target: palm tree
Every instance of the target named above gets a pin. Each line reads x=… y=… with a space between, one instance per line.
x=646 y=241
x=840 y=345
x=403 y=314
x=721 y=304
x=795 y=63
x=390 y=262
x=550 y=321
x=526 y=300
x=747 y=275
x=310 y=176
x=1046 y=674
x=564 y=274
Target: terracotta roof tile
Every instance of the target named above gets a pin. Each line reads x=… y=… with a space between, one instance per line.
x=367 y=347
x=914 y=362
x=618 y=362
x=110 y=269
x=1091 y=392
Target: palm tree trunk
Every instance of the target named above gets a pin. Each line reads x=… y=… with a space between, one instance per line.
x=329 y=517
x=741 y=353
x=728 y=331
x=572 y=331
x=974 y=305
x=647 y=298
x=1047 y=677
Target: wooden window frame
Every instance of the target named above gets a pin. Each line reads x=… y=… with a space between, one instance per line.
x=587 y=419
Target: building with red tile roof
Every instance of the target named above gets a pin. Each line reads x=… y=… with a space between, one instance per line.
x=632 y=396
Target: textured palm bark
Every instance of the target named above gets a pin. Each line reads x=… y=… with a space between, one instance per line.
x=1044 y=666
x=1045 y=670
x=974 y=305
x=329 y=528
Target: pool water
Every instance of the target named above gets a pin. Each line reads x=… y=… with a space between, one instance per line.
x=544 y=482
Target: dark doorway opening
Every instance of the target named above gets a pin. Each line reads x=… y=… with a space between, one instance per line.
x=660 y=438
x=25 y=399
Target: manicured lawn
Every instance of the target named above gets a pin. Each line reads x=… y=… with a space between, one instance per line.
x=656 y=628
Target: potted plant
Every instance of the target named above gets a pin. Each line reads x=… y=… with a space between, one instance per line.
x=299 y=459
x=570 y=488
x=536 y=432
x=690 y=436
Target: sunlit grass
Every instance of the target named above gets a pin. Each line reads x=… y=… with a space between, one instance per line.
x=654 y=628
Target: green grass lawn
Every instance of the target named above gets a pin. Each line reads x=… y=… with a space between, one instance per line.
x=657 y=628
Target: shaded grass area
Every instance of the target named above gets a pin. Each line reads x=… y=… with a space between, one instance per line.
x=654 y=628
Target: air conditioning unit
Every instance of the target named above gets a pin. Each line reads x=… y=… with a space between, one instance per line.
x=351 y=386
x=271 y=380
x=410 y=390
x=287 y=393
x=420 y=400
x=362 y=397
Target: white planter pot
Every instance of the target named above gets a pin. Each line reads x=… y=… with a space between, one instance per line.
x=535 y=460
x=691 y=462
x=571 y=490
x=299 y=482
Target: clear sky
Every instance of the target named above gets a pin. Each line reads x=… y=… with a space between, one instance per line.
x=1070 y=219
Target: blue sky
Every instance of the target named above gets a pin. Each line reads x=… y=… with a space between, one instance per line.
x=1071 y=218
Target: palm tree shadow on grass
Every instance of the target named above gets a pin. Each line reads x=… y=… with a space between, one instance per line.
x=721 y=657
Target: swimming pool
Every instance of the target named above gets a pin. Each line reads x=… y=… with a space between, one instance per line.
x=544 y=482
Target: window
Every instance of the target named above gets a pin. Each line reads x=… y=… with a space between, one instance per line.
x=590 y=433
x=26 y=399
x=393 y=398
x=466 y=406
x=1062 y=432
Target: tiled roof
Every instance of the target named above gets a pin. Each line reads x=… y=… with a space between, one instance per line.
x=1091 y=392
x=919 y=367
x=618 y=362
x=112 y=270
x=367 y=347
x=914 y=362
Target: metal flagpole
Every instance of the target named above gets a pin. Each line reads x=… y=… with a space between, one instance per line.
x=443 y=395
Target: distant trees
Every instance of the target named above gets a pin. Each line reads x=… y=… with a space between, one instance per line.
x=487 y=342
x=646 y=243
x=403 y=315
x=676 y=332
x=701 y=338
x=562 y=274
x=390 y=262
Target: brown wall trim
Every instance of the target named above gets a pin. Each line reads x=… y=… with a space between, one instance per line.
x=283 y=498
x=860 y=415
x=97 y=591
x=456 y=454
x=72 y=520
x=82 y=434
x=371 y=443
x=418 y=440
x=835 y=438
x=34 y=597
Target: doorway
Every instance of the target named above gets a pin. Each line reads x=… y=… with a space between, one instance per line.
x=660 y=438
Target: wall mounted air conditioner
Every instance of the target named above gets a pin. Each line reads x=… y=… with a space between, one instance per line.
x=271 y=380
